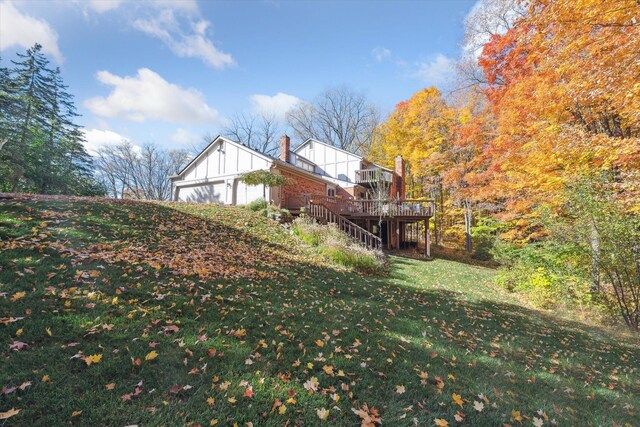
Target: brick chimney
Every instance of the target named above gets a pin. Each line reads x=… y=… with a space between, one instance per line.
x=285 y=145
x=399 y=172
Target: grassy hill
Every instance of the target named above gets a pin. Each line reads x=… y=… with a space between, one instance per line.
x=119 y=313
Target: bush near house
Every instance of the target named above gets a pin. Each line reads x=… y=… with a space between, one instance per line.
x=270 y=211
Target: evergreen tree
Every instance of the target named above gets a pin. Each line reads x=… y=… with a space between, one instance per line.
x=43 y=150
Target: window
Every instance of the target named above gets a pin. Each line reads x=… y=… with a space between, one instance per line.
x=331 y=192
x=305 y=165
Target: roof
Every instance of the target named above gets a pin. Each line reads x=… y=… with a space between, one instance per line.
x=297 y=169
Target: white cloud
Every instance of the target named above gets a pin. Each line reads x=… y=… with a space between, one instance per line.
x=435 y=71
x=102 y=6
x=277 y=105
x=191 y=42
x=96 y=138
x=185 y=137
x=147 y=96
x=21 y=30
x=380 y=53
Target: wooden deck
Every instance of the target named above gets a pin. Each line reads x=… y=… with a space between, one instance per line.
x=387 y=224
x=408 y=209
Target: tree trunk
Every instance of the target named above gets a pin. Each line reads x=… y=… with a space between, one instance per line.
x=468 y=221
x=595 y=260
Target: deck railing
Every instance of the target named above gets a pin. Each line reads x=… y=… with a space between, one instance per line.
x=323 y=213
x=366 y=176
x=382 y=208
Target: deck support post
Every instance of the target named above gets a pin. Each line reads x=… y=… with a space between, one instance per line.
x=427 y=243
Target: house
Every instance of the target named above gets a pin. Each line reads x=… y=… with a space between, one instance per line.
x=330 y=184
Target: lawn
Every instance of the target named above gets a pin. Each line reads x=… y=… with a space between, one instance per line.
x=119 y=313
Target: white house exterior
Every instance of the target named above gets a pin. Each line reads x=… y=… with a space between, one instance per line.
x=214 y=175
x=316 y=168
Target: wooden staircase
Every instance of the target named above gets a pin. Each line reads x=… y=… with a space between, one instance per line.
x=320 y=212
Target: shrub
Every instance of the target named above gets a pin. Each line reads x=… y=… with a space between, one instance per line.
x=257 y=205
x=549 y=275
x=337 y=246
x=484 y=237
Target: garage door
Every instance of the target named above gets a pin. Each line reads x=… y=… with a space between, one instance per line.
x=246 y=193
x=207 y=193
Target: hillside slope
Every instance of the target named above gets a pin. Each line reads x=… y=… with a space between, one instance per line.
x=119 y=313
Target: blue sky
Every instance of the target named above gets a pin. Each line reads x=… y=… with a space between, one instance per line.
x=170 y=72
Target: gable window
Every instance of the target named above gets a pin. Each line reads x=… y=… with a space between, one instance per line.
x=305 y=165
x=331 y=192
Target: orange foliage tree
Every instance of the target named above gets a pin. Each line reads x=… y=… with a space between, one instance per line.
x=563 y=83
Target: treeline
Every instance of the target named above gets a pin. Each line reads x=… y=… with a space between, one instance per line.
x=41 y=146
x=535 y=159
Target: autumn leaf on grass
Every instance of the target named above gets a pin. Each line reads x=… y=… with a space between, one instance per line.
x=17 y=296
x=323 y=414
x=400 y=389
x=312 y=384
x=10 y=413
x=320 y=343
x=369 y=416
x=478 y=406
x=457 y=399
x=328 y=370
x=110 y=386
x=94 y=358
x=516 y=415
x=177 y=389
x=18 y=345
x=441 y=423
x=151 y=355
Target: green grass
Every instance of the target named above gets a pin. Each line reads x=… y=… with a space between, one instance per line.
x=252 y=306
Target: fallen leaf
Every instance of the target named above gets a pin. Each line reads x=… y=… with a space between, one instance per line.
x=457 y=399
x=151 y=355
x=94 y=358
x=323 y=414
x=17 y=296
x=10 y=413
x=516 y=415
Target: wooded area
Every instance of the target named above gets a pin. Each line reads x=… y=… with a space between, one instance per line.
x=543 y=130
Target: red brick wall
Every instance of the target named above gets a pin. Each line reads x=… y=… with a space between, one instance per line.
x=345 y=193
x=301 y=186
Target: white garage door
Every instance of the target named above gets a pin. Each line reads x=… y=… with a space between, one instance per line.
x=246 y=193
x=207 y=193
